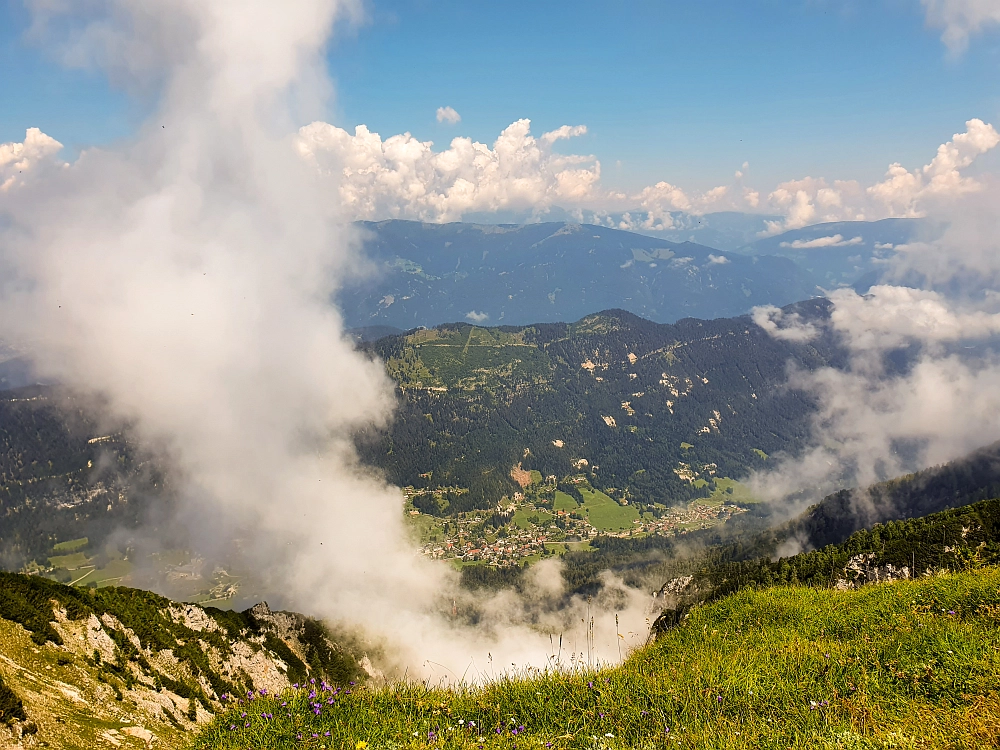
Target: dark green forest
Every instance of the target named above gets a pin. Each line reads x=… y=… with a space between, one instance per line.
x=637 y=400
x=64 y=475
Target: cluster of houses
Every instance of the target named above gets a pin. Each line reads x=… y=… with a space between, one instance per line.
x=681 y=520
x=466 y=540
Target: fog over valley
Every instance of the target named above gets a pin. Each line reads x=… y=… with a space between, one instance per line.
x=340 y=409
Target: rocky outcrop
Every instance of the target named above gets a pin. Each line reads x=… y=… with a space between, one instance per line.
x=863 y=568
x=143 y=669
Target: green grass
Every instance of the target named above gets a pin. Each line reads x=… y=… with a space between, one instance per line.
x=110 y=575
x=69 y=562
x=564 y=502
x=523 y=514
x=70 y=546
x=904 y=665
x=605 y=514
x=470 y=357
x=740 y=493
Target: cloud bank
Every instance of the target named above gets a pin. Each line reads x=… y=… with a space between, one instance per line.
x=184 y=279
x=922 y=380
x=961 y=19
x=18 y=160
x=403 y=177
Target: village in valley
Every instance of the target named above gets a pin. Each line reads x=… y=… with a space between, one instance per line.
x=549 y=517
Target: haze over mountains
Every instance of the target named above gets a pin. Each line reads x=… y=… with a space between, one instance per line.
x=500 y=274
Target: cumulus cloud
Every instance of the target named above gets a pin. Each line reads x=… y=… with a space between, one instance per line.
x=836 y=240
x=902 y=193
x=888 y=317
x=717 y=259
x=35 y=152
x=448 y=115
x=563 y=132
x=404 y=177
x=961 y=19
x=477 y=317
x=921 y=382
x=782 y=325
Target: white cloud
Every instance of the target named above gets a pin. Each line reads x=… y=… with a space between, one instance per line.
x=888 y=317
x=942 y=399
x=836 y=240
x=19 y=159
x=717 y=259
x=902 y=193
x=448 y=115
x=564 y=132
x=782 y=325
x=402 y=177
x=477 y=317
x=960 y=19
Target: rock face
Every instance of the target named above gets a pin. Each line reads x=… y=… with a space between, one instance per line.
x=862 y=569
x=127 y=668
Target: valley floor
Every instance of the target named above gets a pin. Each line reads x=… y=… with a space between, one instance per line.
x=909 y=664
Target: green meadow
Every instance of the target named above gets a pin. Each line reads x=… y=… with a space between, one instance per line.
x=911 y=664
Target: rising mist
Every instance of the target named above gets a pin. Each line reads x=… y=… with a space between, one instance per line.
x=184 y=277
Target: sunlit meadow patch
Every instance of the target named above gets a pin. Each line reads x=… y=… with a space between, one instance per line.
x=908 y=664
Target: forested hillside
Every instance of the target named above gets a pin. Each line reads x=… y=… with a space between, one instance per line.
x=63 y=474
x=648 y=413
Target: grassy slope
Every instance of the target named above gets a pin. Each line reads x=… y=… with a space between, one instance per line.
x=908 y=664
x=68 y=698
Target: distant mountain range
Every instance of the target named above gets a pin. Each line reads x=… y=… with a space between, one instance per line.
x=845 y=253
x=725 y=230
x=518 y=274
x=427 y=274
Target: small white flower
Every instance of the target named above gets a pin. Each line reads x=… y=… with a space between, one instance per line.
x=609 y=735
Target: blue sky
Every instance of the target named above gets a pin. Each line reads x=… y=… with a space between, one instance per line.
x=677 y=91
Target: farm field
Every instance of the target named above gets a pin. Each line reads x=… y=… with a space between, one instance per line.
x=605 y=514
